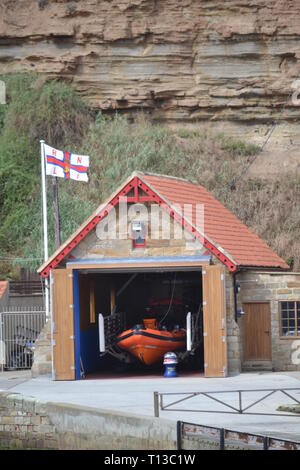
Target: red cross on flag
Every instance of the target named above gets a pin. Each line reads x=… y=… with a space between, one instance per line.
x=66 y=165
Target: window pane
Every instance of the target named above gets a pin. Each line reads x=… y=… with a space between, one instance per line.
x=291 y=316
x=288 y=318
x=288 y=332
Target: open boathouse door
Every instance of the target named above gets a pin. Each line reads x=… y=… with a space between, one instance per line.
x=68 y=337
x=63 y=342
x=214 y=321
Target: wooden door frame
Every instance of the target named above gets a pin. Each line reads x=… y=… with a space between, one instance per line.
x=221 y=326
x=76 y=269
x=76 y=313
x=266 y=302
x=58 y=329
x=76 y=323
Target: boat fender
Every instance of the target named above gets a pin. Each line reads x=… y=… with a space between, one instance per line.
x=170 y=363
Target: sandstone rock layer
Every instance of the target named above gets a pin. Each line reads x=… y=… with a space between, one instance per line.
x=230 y=63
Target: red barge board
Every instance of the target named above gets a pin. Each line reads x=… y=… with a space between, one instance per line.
x=225 y=236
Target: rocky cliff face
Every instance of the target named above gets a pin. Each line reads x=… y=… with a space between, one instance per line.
x=230 y=63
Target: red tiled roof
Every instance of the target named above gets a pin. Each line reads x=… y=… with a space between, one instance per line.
x=224 y=234
x=3 y=287
x=220 y=225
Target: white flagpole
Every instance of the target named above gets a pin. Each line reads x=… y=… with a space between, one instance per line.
x=45 y=225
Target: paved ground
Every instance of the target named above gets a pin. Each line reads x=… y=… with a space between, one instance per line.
x=135 y=395
x=9 y=380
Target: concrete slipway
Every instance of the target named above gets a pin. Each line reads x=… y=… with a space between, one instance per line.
x=135 y=396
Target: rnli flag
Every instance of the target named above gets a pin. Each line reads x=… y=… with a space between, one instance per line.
x=66 y=165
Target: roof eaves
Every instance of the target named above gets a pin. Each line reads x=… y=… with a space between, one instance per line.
x=269 y=268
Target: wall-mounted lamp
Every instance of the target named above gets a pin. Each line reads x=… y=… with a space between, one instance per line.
x=238 y=312
x=138 y=229
x=136 y=226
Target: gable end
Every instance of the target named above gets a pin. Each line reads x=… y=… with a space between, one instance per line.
x=149 y=195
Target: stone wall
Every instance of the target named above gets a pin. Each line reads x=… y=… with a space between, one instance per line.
x=233 y=329
x=42 y=363
x=257 y=286
x=27 y=423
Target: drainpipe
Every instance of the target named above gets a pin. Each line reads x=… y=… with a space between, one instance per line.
x=235 y=296
x=238 y=312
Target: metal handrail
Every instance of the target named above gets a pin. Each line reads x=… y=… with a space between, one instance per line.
x=159 y=401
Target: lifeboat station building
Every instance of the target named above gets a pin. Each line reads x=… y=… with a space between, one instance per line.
x=162 y=255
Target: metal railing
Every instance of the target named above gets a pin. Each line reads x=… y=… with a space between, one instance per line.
x=19 y=328
x=227 y=439
x=17 y=288
x=239 y=408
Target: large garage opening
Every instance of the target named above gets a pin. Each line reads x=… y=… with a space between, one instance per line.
x=155 y=301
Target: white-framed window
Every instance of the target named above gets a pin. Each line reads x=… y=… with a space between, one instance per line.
x=290 y=319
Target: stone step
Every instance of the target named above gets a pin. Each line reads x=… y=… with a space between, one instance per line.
x=257 y=365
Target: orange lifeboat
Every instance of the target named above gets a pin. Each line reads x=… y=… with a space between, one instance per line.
x=148 y=343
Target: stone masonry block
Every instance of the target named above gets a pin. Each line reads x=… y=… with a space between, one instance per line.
x=284 y=291
x=7 y=420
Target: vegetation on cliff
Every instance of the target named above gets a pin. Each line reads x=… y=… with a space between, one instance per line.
x=52 y=110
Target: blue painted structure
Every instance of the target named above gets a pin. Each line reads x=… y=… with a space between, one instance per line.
x=86 y=341
x=158 y=260
x=76 y=323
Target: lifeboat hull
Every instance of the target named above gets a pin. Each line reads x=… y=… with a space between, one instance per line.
x=150 y=345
